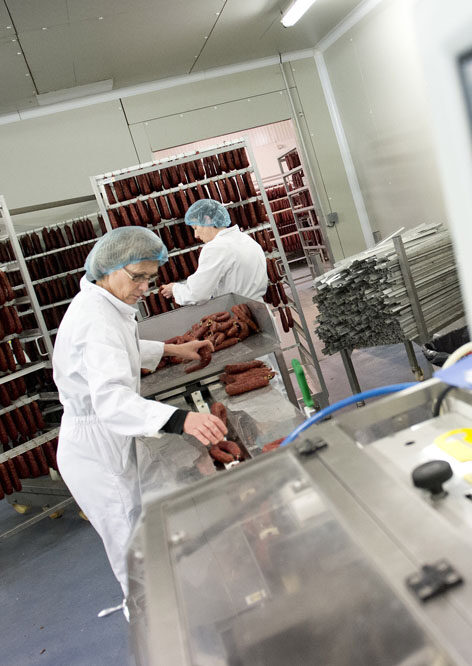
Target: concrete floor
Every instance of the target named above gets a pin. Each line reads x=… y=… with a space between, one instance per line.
x=54 y=576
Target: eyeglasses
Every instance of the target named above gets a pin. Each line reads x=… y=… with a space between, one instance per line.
x=139 y=278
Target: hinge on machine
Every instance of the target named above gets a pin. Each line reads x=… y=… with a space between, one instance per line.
x=433 y=580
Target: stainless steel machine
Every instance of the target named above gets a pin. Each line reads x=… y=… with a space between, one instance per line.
x=324 y=552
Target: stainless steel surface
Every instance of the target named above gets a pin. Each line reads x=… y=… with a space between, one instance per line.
x=303 y=559
x=171 y=462
x=177 y=322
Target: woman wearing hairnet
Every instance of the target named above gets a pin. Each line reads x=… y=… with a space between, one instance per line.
x=230 y=261
x=96 y=362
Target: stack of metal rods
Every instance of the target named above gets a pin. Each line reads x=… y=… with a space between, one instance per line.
x=363 y=301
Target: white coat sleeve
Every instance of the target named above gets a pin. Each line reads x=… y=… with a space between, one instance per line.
x=151 y=353
x=200 y=287
x=113 y=387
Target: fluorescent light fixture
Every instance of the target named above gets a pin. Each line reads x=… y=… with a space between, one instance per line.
x=295 y=12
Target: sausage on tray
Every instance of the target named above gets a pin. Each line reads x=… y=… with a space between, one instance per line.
x=237 y=388
x=243 y=367
x=220 y=456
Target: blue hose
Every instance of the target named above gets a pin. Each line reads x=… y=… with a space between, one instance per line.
x=372 y=393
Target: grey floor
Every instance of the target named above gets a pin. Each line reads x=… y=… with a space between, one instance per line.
x=54 y=576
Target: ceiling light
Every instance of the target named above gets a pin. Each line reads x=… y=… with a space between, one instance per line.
x=295 y=12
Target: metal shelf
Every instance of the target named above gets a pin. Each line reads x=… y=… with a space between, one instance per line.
x=177 y=188
x=24 y=400
x=27 y=446
x=24 y=370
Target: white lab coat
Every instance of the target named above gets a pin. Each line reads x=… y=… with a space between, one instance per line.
x=230 y=263
x=96 y=362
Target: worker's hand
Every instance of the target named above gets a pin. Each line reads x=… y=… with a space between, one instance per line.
x=188 y=351
x=208 y=429
x=166 y=289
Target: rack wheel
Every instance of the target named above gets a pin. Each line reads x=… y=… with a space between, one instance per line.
x=56 y=515
x=21 y=508
x=83 y=516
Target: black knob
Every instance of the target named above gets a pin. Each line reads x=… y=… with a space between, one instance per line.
x=431 y=476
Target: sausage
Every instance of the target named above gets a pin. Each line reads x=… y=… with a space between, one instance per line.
x=235 y=368
x=155 y=180
x=7 y=321
x=41 y=460
x=21 y=467
x=21 y=386
x=288 y=314
x=164 y=208
x=144 y=183
x=274 y=295
x=229 y=342
x=5 y=481
x=173 y=269
x=4 y=439
x=6 y=286
x=193 y=260
x=154 y=211
x=275 y=270
x=134 y=217
x=173 y=205
x=214 y=191
x=167 y=238
x=282 y=293
x=268 y=240
x=32 y=464
x=13 y=475
x=205 y=354
x=219 y=410
x=272 y=445
x=249 y=374
x=178 y=235
x=220 y=326
x=183 y=265
x=50 y=453
x=9 y=356
x=243 y=313
x=3 y=362
x=237 y=388
x=221 y=456
x=110 y=194
x=18 y=351
x=242 y=187
x=162 y=302
x=30 y=420
x=283 y=320
x=20 y=422
x=230 y=447
x=5 y=400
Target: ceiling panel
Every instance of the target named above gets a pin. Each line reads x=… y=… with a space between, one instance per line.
x=260 y=32
x=49 y=56
x=131 y=48
x=76 y=42
x=37 y=14
x=15 y=82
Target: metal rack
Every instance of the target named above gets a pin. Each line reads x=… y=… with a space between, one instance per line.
x=303 y=340
x=27 y=258
x=41 y=333
x=313 y=237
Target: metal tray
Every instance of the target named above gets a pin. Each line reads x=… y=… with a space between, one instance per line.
x=177 y=322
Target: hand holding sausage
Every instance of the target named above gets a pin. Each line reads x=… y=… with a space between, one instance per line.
x=208 y=429
x=188 y=350
x=166 y=290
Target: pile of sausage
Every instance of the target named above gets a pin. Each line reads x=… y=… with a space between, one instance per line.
x=244 y=377
x=225 y=451
x=27 y=465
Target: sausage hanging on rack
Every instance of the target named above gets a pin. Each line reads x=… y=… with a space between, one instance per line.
x=13 y=475
x=32 y=464
x=6 y=286
x=41 y=460
x=153 y=211
x=21 y=466
x=38 y=417
x=283 y=320
x=50 y=453
x=5 y=481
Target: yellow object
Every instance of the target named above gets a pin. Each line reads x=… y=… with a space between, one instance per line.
x=56 y=514
x=82 y=515
x=21 y=508
x=456 y=443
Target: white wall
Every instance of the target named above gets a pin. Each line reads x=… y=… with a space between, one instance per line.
x=380 y=92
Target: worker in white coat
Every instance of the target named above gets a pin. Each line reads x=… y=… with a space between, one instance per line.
x=96 y=362
x=230 y=260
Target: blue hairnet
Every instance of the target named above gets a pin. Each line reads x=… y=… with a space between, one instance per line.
x=207 y=213
x=123 y=246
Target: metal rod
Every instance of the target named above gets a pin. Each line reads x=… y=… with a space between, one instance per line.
x=411 y=289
